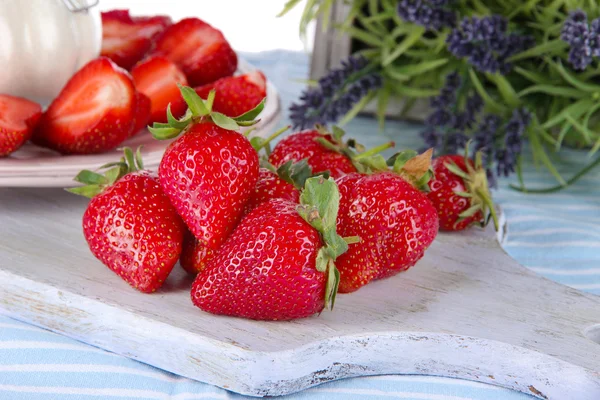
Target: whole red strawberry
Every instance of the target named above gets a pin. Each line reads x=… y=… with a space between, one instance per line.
x=201 y=51
x=194 y=255
x=460 y=193
x=126 y=39
x=237 y=94
x=93 y=113
x=277 y=265
x=395 y=221
x=157 y=78
x=130 y=225
x=324 y=151
x=284 y=182
x=210 y=171
x=18 y=119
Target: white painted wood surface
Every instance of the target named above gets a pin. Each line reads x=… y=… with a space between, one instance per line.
x=466 y=310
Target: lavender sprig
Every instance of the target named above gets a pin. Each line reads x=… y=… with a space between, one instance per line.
x=584 y=39
x=431 y=14
x=336 y=94
x=485 y=43
x=448 y=129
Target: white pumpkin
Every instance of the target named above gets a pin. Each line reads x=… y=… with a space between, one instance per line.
x=43 y=43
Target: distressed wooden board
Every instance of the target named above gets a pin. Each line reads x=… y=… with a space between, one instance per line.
x=466 y=310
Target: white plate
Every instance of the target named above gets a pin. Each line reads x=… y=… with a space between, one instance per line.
x=34 y=166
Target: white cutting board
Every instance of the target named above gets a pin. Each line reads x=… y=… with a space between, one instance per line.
x=466 y=310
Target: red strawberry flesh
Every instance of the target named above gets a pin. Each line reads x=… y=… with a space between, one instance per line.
x=157 y=78
x=93 y=112
x=200 y=50
x=18 y=118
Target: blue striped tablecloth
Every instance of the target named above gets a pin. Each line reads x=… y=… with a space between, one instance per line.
x=556 y=235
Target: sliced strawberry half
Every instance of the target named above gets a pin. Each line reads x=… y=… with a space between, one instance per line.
x=201 y=51
x=157 y=78
x=236 y=95
x=125 y=40
x=93 y=113
x=18 y=118
x=141 y=116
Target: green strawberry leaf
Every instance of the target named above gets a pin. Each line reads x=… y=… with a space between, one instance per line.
x=251 y=114
x=89 y=177
x=176 y=123
x=324 y=197
x=224 y=121
x=95 y=183
x=194 y=102
x=164 y=133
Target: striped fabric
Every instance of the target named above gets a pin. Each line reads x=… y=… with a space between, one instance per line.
x=556 y=235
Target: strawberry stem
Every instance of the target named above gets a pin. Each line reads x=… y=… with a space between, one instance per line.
x=374 y=150
x=264 y=143
x=487 y=200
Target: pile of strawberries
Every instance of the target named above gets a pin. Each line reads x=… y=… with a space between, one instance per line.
x=113 y=97
x=272 y=235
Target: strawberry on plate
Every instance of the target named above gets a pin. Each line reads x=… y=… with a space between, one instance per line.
x=126 y=39
x=323 y=150
x=237 y=94
x=93 y=113
x=210 y=170
x=394 y=219
x=18 y=119
x=279 y=263
x=460 y=192
x=141 y=116
x=130 y=224
x=201 y=51
x=157 y=78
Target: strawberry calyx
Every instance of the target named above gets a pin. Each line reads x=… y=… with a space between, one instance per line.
x=415 y=168
x=476 y=189
x=200 y=110
x=95 y=183
x=295 y=173
x=319 y=205
x=356 y=152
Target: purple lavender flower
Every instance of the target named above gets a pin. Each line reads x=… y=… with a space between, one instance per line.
x=485 y=43
x=583 y=39
x=431 y=14
x=336 y=94
x=448 y=129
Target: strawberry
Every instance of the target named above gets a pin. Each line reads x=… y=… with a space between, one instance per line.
x=129 y=224
x=396 y=222
x=125 y=40
x=157 y=78
x=18 y=118
x=236 y=94
x=201 y=51
x=93 y=112
x=279 y=263
x=284 y=182
x=208 y=172
x=324 y=151
x=141 y=115
x=460 y=192
x=194 y=255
